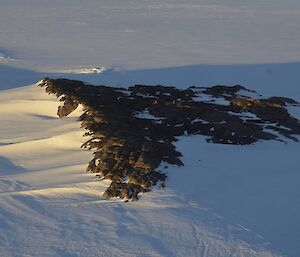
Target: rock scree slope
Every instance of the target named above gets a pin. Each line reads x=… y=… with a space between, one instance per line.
x=132 y=130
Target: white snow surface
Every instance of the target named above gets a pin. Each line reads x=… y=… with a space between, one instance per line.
x=69 y=34
x=226 y=201
x=215 y=205
x=145 y=114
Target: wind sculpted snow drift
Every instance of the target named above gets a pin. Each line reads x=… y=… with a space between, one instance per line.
x=133 y=130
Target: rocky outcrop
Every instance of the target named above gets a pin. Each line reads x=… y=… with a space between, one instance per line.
x=132 y=130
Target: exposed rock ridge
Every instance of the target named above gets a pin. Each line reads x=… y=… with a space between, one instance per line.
x=132 y=130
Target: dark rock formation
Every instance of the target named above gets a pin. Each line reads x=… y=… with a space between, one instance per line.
x=132 y=130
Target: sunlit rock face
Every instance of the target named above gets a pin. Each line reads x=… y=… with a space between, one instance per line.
x=132 y=130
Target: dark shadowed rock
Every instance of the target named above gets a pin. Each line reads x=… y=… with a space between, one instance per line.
x=132 y=131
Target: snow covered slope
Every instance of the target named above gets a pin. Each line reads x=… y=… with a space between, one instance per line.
x=225 y=201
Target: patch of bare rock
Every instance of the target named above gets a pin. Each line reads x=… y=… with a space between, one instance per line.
x=132 y=130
